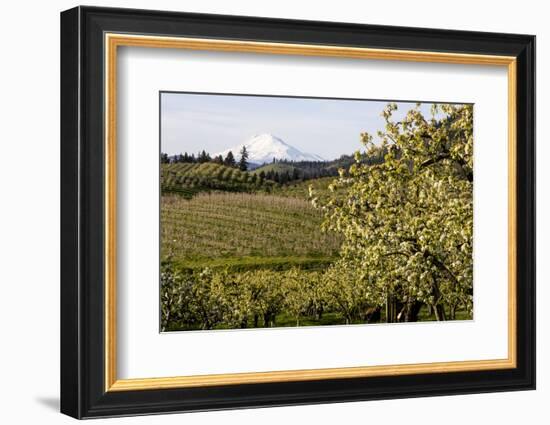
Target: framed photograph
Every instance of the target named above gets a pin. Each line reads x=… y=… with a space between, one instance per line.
x=261 y=212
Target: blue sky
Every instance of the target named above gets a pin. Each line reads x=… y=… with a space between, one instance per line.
x=326 y=127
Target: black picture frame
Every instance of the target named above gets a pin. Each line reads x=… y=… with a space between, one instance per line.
x=83 y=392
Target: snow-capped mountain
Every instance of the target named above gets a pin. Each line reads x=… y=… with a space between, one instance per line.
x=262 y=148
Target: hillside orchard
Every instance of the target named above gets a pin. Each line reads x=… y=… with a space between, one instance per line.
x=387 y=239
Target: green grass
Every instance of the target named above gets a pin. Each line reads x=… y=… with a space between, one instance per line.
x=283 y=320
x=424 y=317
x=239 y=264
x=286 y=320
x=333 y=318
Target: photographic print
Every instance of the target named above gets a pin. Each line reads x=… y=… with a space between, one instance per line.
x=299 y=196
x=284 y=211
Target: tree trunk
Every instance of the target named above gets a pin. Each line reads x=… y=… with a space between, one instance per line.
x=320 y=311
x=372 y=315
x=412 y=311
x=452 y=312
x=391 y=310
x=439 y=311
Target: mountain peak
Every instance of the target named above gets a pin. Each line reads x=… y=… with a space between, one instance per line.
x=263 y=147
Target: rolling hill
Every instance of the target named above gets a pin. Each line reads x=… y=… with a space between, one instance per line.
x=243 y=230
x=188 y=179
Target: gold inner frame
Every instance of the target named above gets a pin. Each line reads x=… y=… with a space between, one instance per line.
x=113 y=41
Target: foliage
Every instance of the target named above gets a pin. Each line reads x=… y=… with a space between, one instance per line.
x=407 y=223
x=208 y=299
x=243 y=164
x=347 y=291
x=229 y=160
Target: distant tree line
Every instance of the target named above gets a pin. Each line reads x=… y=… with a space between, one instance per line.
x=282 y=177
x=200 y=158
x=295 y=170
x=203 y=156
x=316 y=169
x=308 y=170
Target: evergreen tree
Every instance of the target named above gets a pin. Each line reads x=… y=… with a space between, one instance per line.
x=243 y=164
x=284 y=177
x=230 y=160
x=204 y=157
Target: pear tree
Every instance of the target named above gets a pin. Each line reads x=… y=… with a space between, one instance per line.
x=407 y=222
